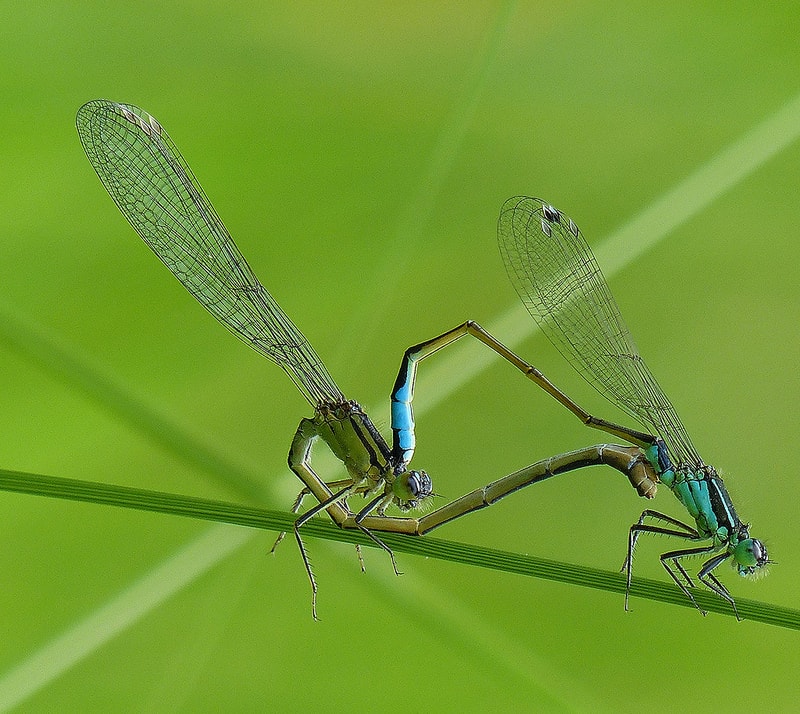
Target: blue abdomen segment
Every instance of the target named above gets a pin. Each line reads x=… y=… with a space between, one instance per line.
x=403 y=439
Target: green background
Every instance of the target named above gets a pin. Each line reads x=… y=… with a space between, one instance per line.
x=360 y=154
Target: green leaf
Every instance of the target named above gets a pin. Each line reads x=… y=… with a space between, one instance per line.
x=468 y=554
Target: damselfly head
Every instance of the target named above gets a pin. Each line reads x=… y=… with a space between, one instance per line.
x=410 y=488
x=750 y=555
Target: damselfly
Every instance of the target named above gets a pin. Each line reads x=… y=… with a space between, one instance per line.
x=557 y=278
x=560 y=283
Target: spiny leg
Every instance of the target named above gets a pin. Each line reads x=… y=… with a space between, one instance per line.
x=380 y=544
x=684 y=573
x=633 y=535
x=379 y=503
x=308 y=515
x=298 y=504
x=656 y=516
x=712 y=582
x=675 y=556
x=295 y=510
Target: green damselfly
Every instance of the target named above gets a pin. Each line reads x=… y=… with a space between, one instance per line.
x=559 y=281
x=157 y=192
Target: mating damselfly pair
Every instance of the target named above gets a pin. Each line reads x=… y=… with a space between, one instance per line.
x=561 y=285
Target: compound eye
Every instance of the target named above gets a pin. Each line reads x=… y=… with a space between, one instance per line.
x=419 y=483
x=759 y=553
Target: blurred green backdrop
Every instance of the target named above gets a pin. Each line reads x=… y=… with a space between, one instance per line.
x=359 y=154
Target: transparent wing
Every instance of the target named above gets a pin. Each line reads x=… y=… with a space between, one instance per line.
x=156 y=191
x=559 y=281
